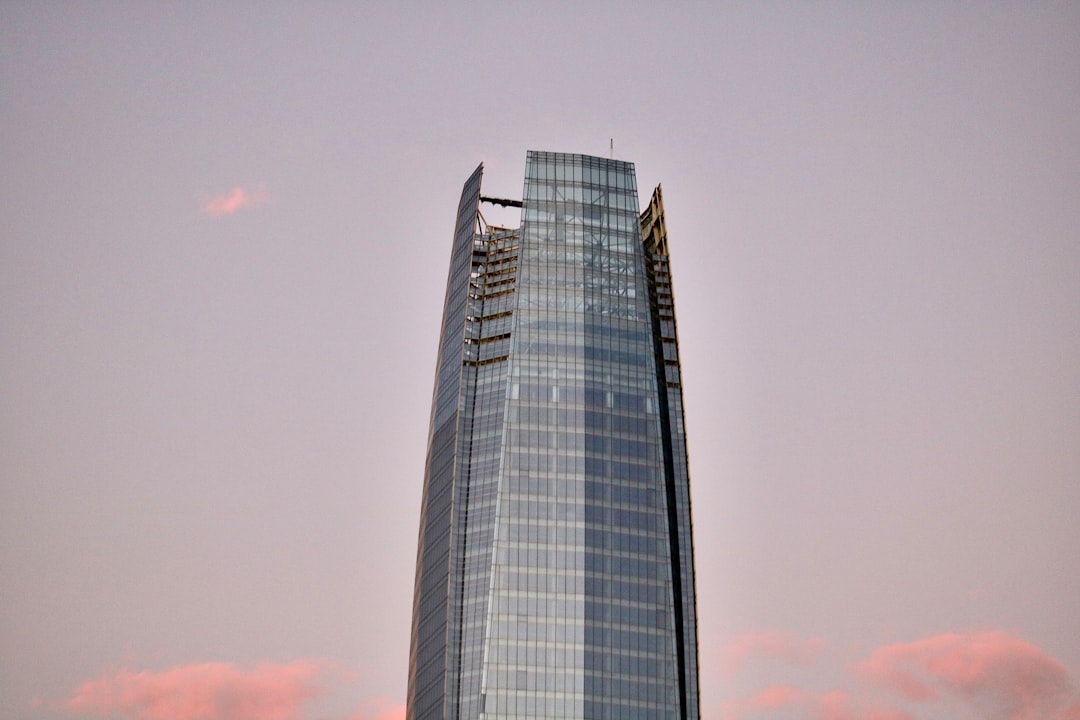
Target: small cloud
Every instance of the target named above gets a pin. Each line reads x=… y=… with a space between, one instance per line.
x=233 y=200
x=773 y=644
x=203 y=691
x=1006 y=677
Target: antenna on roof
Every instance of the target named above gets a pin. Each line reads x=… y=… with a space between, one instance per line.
x=612 y=148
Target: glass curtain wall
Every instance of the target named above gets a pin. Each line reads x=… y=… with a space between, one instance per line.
x=567 y=557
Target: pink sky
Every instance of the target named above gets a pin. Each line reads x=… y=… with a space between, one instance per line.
x=223 y=243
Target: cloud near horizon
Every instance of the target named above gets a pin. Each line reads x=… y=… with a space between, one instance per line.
x=202 y=691
x=992 y=675
x=1001 y=675
x=233 y=200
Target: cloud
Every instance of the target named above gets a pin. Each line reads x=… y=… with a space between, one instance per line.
x=986 y=675
x=233 y=200
x=1001 y=675
x=204 y=691
x=772 y=644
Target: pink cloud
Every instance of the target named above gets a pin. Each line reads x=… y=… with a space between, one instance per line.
x=985 y=675
x=204 y=691
x=1003 y=676
x=772 y=644
x=233 y=200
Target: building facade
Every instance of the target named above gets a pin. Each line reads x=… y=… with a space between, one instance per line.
x=555 y=572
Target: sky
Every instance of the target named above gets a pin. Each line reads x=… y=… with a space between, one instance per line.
x=224 y=234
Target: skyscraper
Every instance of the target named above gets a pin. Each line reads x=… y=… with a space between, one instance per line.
x=555 y=573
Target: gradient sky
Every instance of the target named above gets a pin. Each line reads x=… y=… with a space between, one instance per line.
x=224 y=233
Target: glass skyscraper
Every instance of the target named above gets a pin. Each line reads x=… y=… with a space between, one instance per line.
x=555 y=569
